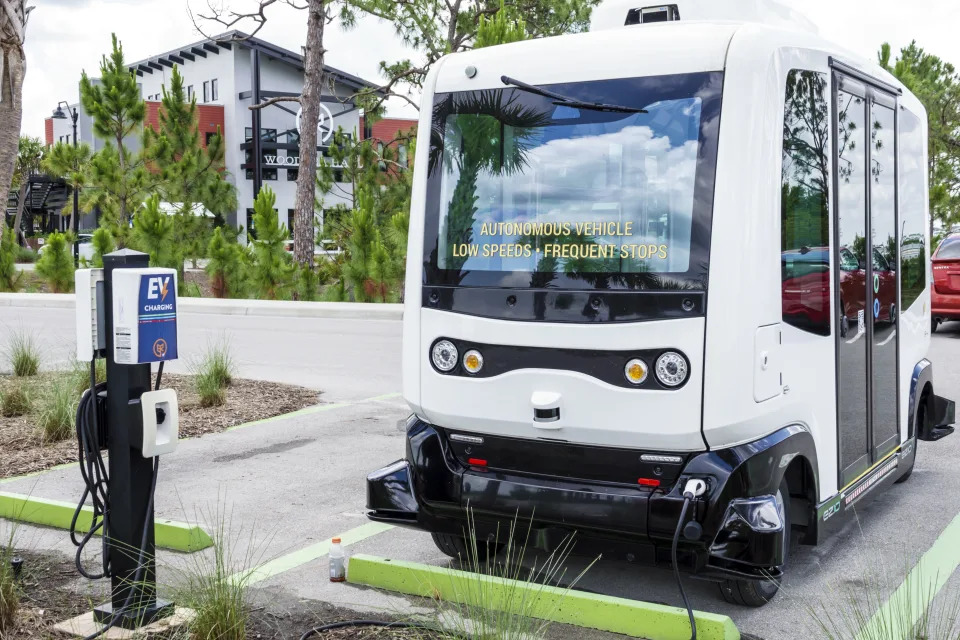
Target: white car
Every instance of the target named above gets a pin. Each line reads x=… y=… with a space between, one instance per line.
x=85 y=249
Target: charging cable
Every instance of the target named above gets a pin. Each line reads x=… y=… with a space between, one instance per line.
x=694 y=488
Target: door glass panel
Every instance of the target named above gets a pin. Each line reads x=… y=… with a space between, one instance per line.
x=852 y=298
x=884 y=278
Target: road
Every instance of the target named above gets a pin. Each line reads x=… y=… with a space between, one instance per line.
x=292 y=482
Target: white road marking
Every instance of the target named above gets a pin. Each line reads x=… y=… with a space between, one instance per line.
x=856 y=337
x=892 y=335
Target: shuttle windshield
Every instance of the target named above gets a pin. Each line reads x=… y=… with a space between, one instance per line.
x=527 y=191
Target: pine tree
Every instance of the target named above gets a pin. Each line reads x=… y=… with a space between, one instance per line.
x=153 y=231
x=102 y=244
x=10 y=276
x=273 y=270
x=188 y=173
x=56 y=264
x=118 y=173
x=224 y=266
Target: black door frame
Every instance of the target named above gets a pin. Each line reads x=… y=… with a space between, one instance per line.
x=869 y=89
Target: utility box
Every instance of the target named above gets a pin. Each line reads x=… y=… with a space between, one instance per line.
x=144 y=315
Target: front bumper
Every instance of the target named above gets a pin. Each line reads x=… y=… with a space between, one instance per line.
x=433 y=489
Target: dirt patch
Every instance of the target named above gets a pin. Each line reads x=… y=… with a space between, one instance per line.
x=49 y=594
x=22 y=449
x=199 y=278
x=46 y=598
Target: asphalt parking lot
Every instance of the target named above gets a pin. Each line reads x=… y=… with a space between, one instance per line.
x=287 y=484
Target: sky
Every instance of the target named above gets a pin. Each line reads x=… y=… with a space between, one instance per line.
x=65 y=37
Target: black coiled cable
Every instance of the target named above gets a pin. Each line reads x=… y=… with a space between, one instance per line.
x=676 y=566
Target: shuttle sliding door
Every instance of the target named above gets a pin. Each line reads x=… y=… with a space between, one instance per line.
x=866 y=283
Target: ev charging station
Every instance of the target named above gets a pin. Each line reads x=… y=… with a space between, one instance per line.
x=126 y=313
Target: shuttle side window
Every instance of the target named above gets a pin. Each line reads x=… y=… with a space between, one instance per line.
x=804 y=234
x=913 y=201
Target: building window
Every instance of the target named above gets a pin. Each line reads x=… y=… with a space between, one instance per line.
x=292 y=175
x=206 y=91
x=402 y=155
x=266 y=135
x=189 y=92
x=291 y=214
x=208 y=136
x=804 y=233
x=214 y=91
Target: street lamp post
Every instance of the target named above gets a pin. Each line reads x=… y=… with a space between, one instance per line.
x=74 y=114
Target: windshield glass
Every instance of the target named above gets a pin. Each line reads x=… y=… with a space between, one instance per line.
x=949 y=250
x=526 y=191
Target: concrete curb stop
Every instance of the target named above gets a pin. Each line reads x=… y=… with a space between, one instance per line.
x=606 y=613
x=233 y=307
x=169 y=534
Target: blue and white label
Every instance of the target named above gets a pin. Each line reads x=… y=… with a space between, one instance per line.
x=157 y=318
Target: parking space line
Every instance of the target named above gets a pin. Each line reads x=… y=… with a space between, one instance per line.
x=892 y=335
x=308 y=554
x=901 y=612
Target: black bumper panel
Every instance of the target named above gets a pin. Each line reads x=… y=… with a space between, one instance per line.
x=433 y=489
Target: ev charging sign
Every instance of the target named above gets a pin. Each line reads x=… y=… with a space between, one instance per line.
x=144 y=315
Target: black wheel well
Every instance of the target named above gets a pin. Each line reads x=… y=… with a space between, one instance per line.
x=923 y=409
x=802 y=484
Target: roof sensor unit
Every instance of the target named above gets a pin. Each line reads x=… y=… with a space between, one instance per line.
x=647 y=15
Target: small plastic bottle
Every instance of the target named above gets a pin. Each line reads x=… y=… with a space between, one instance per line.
x=338 y=570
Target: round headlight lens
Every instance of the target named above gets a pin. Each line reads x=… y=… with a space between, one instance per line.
x=635 y=371
x=671 y=369
x=472 y=361
x=444 y=355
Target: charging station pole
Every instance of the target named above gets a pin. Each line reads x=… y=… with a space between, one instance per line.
x=131 y=478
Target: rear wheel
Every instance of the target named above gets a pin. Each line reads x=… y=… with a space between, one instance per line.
x=933 y=325
x=456 y=547
x=756 y=593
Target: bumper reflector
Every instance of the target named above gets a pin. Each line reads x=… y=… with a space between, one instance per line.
x=476 y=462
x=648 y=482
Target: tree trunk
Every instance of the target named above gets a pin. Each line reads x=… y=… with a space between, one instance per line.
x=21 y=196
x=303 y=227
x=11 y=112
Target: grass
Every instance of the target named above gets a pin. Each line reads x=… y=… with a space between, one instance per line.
x=56 y=411
x=9 y=590
x=23 y=354
x=214 y=372
x=216 y=584
x=499 y=609
x=79 y=375
x=15 y=401
x=25 y=254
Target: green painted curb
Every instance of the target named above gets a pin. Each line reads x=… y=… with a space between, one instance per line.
x=617 y=615
x=169 y=534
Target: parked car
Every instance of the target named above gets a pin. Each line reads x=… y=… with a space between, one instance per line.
x=945 y=293
x=85 y=248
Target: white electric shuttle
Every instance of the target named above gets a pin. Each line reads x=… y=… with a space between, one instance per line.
x=678 y=262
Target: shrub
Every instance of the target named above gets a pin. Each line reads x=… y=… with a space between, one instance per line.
x=223 y=265
x=23 y=354
x=15 y=401
x=26 y=254
x=57 y=411
x=102 y=244
x=56 y=264
x=306 y=283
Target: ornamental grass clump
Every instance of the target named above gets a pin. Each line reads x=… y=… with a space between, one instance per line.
x=23 y=355
x=56 y=411
x=15 y=400
x=9 y=589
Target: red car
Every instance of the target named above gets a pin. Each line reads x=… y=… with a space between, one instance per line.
x=945 y=295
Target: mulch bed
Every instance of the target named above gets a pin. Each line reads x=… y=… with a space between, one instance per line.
x=22 y=449
x=49 y=595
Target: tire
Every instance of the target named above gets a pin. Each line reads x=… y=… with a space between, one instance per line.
x=756 y=593
x=933 y=325
x=844 y=326
x=451 y=545
x=456 y=548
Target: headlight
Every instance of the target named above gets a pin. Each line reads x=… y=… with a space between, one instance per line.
x=671 y=369
x=472 y=361
x=635 y=371
x=444 y=355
